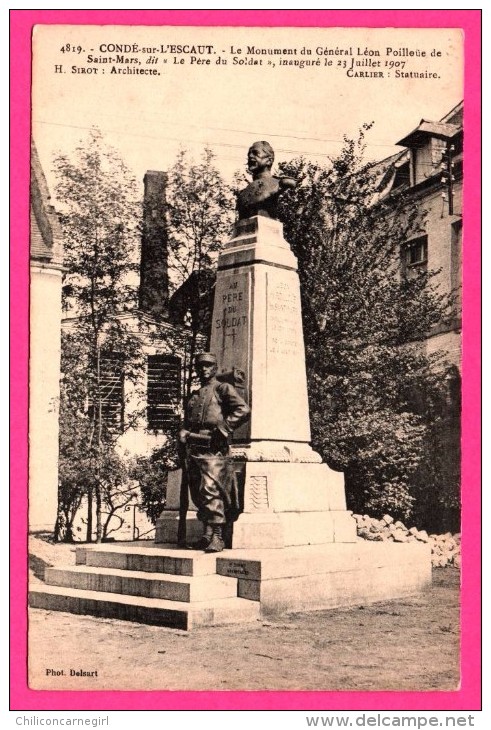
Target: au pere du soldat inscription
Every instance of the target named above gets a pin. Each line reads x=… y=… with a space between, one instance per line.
x=234 y=310
x=282 y=319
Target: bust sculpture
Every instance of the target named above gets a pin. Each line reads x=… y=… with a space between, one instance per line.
x=261 y=196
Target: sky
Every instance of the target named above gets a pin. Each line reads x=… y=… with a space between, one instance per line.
x=227 y=106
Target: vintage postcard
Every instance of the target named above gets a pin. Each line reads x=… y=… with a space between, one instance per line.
x=251 y=250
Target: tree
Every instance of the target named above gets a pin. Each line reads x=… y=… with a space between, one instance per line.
x=151 y=472
x=74 y=467
x=373 y=390
x=100 y=219
x=201 y=210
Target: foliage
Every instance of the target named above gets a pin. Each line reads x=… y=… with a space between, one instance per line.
x=151 y=472
x=373 y=390
x=105 y=344
x=201 y=209
x=200 y=214
x=100 y=219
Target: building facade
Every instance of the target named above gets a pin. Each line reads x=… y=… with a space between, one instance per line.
x=46 y=271
x=430 y=171
x=138 y=396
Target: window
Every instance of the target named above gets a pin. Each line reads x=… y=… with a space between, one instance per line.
x=111 y=391
x=416 y=251
x=402 y=175
x=163 y=391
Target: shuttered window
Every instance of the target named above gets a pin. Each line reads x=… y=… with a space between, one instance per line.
x=111 y=392
x=163 y=391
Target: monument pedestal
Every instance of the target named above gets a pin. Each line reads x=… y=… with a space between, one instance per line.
x=289 y=496
x=315 y=577
x=294 y=544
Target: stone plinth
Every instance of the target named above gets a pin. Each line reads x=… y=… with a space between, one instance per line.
x=289 y=497
x=167 y=524
x=257 y=327
x=186 y=588
x=327 y=576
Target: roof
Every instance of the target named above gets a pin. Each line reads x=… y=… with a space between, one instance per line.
x=419 y=136
x=455 y=115
x=45 y=230
x=391 y=175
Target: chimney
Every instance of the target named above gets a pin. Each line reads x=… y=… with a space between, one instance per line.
x=154 y=276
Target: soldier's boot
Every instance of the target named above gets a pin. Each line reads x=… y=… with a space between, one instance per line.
x=204 y=540
x=216 y=544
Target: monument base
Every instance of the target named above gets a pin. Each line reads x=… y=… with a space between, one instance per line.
x=285 y=503
x=317 y=577
x=184 y=589
x=266 y=529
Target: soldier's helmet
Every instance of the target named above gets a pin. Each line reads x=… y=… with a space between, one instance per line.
x=206 y=358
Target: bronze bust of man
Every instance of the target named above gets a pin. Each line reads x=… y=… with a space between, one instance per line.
x=261 y=196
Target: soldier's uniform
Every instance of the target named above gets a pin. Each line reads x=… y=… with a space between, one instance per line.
x=212 y=414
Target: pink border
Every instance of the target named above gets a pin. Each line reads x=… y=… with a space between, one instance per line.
x=468 y=697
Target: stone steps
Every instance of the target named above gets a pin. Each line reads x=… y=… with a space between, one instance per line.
x=163 y=559
x=138 y=583
x=166 y=587
x=156 y=611
x=187 y=588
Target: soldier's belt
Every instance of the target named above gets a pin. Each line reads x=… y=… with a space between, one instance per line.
x=203 y=438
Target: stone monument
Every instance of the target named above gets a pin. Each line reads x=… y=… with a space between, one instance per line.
x=289 y=496
x=294 y=544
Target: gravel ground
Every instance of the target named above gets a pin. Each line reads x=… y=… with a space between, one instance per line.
x=407 y=644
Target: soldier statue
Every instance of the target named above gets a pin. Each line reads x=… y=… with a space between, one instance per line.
x=261 y=196
x=212 y=414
